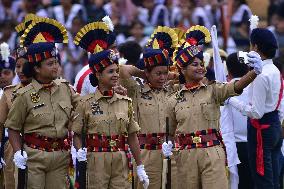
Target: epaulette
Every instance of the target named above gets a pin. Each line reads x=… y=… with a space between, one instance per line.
x=9 y=87
x=86 y=97
x=25 y=89
x=123 y=97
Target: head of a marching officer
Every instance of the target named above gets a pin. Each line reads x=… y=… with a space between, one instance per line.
x=42 y=62
x=40 y=38
x=263 y=42
x=189 y=58
x=7 y=66
x=157 y=57
x=105 y=70
x=156 y=63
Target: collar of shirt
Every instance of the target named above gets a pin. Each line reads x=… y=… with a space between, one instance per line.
x=37 y=86
x=147 y=88
x=184 y=88
x=99 y=95
x=267 y=61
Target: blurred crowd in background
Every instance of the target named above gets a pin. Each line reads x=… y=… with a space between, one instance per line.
x=135 y=20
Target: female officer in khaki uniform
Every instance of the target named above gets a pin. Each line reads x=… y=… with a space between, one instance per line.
x=194 y=117
x=42 y=110
x=106 y=117
x=150 y=100
x=5 y=104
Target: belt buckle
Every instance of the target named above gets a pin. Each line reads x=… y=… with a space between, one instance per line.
x=112 y=143
x=196 y=139
x=55 y=145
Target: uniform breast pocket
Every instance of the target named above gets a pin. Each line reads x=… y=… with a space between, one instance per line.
x=146 y=107
x=182 y=112
x=210 y=111
x=42 y=115
x=98 y=124
x=66 y=107
x=122 y=122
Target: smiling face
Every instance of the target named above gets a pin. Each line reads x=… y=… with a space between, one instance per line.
x=195 y=71
x=109 y=76
x=48 y=70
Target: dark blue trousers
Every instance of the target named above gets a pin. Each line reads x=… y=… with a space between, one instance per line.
x=272 y=141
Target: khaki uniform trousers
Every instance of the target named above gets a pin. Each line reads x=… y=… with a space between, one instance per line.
x=47 y=170
x=202 y=168
x=107 y=170
x=153 y=163
x=9 y=168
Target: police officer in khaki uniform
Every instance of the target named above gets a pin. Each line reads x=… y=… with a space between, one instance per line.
x=194 y=114
x=106 y=117
x=7 y=72
x=150 y=100
x=6 y=103
x=42 y=110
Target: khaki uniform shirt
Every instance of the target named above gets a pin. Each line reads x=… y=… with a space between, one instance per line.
x=105 y=115
x=6 y=103
x=43 y=111
x=149 y=105
x=191 y=111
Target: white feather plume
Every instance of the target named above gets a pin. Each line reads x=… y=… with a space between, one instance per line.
x=253 y=22
x=122 y=61
x=5 y=51
x=206 y=58
x=108 y=22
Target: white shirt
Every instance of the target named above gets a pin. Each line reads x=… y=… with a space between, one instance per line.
x=1 y=92
x=234 y=120
x=82 y=82
x=263 y=93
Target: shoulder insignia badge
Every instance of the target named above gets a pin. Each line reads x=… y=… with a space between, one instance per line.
x=35 y=97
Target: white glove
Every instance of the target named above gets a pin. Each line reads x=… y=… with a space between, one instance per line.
x=20 y=160
x=82 y=154
x=143 y=177
x=167 y=148
x=255 y=62
x=74 y=155
x=2 y=163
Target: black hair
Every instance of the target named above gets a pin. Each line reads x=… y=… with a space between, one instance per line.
x=181 y=78
x=280 y=10
x=235 y=68
x=93 y=80
x=28 y=69
x=131 y=51
x=267 y=52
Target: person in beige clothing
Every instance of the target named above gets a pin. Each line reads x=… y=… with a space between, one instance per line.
x=106 y=118
x=194 y=114
x=42 y=110
x=6 y=103
x=150 y=99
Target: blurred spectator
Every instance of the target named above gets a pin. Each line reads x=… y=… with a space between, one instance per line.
x=75 y=57
x=122 y=12
x=240 y=24
x=9 y=10
x=278 y=28
x=67 y=11
x=31 y=6
x=95 y=10
x=199 y=15
x=131 y=51
x=153 y=14
x=212 y=10
x=8 y=34
x=136 y=34
x=182 y=15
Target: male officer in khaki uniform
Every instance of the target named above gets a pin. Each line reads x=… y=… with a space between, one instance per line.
x=149 y=101
x=43 y=110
